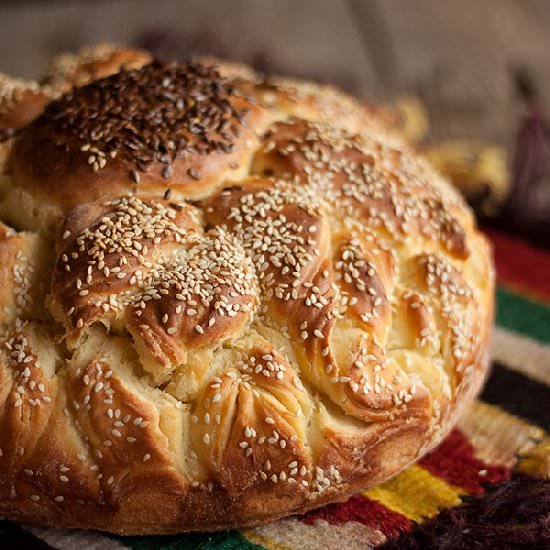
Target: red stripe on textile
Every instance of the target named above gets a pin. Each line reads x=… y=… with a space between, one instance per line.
x=454 y=462
x=520 y=265
x=369 y=512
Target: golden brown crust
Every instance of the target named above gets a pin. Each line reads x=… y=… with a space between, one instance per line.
x=259 y=302
x=77 y=69
x=25 y=264
x=21 y=101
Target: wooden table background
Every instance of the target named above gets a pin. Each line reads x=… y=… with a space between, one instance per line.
x=459 y=56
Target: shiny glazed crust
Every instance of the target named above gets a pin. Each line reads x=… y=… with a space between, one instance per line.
x=225 y=300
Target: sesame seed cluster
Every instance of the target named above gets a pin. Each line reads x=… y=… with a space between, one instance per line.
x=152 y=266
x=218 y=351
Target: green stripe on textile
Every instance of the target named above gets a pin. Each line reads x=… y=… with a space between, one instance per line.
x=226 y=540
x=522 y=315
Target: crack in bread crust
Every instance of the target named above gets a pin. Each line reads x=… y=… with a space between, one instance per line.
x=228 y=300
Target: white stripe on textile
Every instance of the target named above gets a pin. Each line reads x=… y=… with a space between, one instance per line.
x=293 y=534
x=67 y=539
x=522 y=354
x=498 y=437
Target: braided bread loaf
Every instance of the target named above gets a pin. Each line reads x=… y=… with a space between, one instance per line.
x=225 y=299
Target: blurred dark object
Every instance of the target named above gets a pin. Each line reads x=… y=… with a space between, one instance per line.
x=525 y=86
x=527 y=209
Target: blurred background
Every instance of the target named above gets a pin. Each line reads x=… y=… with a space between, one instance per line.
x=468 y=78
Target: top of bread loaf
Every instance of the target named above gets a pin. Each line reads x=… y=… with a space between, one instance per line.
x=226 y=298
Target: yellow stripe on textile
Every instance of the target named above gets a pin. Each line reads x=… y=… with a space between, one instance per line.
x=537 y=460
x=416 y=494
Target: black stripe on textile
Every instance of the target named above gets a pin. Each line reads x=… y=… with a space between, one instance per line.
x=518 y=394
x=512 y=515
x=12 y=536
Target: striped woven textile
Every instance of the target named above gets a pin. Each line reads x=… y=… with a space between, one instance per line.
x=485 y=486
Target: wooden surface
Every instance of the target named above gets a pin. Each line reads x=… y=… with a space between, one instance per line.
x=459 y=56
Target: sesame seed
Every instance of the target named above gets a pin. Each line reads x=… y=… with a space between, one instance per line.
x=217 y=397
